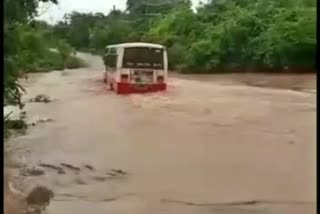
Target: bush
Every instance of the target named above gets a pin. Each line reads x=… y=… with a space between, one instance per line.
x=14 y=124
x=177 y=56
x=74 y=62
x=64 y=49
x=50 y=61
x=53 y=61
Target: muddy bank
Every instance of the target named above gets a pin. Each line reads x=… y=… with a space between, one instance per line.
x=203 y=146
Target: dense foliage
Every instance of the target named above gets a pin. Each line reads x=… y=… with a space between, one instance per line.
x=222 y=35
x=17 y=17
x=27 y=47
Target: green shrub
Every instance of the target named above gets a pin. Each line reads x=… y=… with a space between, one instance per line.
x=53 y=61
x=74 y=62
x=177 y=56
x=48 y=62
x=64 y=49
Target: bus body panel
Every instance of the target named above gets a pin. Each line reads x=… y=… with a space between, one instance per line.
x=123 y=80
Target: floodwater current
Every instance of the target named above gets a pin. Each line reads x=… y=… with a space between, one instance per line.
x=200 y=147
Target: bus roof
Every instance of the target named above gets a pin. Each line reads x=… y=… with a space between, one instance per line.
x=135 y=44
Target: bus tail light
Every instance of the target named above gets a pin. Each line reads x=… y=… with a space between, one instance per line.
x=124 y=78
x=160 y=79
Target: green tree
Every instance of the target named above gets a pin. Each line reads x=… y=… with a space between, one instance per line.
x=223 y=35
x=16 y=15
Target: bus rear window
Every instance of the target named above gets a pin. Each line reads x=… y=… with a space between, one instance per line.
x=143 y=57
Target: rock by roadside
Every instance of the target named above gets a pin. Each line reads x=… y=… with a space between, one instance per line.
x=40 y=98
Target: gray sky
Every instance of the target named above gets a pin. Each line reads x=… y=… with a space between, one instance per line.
x=53 y=13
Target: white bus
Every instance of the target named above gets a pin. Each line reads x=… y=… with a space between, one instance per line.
x=136 y=67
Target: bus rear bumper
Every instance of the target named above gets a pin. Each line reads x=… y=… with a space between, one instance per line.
x=127 y=88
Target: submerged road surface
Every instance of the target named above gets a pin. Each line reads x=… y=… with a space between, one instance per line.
x=201 y=147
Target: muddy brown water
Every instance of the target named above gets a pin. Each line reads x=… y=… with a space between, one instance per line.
x=201 y=147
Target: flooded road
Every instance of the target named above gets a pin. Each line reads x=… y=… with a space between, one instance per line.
x=201 y=147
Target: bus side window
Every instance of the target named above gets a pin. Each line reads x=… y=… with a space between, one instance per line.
x=105 y=56
x=105 y=59
x=111 y=61
x=112 y=51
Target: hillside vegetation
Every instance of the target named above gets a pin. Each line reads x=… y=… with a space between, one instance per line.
x=28 y=48
x=221 y=36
